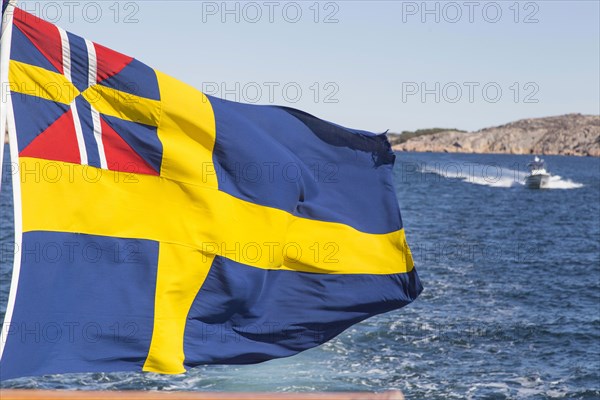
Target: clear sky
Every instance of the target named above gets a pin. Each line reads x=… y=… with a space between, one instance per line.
x=374 y=65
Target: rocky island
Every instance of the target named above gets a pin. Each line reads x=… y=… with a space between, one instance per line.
x=571 y=134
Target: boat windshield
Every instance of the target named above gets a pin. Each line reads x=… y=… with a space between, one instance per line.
x=537 y=164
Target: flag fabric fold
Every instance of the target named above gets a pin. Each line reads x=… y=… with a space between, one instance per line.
x=158 y=228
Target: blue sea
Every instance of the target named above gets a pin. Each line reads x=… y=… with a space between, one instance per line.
x=510 y=310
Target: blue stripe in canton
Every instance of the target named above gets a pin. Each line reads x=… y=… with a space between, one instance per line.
x=87 y=126
x=24 y=51
x=85 y=304
x=142 y=138
x=136 y=78
x=79 y=62
x=321 y=171
x=245 y=315
x=33 y=115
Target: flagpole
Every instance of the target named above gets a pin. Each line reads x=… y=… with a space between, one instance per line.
x=5 y=44
x=6 y=26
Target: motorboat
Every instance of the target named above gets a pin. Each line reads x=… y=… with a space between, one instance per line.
x=538 y=177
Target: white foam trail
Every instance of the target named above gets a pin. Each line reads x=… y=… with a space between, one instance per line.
x=493 y=176
x=556 y=182
x=502 y=182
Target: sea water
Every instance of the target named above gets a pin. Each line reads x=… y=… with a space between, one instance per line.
x=511 y=306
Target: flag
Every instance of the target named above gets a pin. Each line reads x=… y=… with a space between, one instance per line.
x=158 y=229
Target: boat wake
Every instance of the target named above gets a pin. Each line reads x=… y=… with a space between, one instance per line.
x=493 y=176
x=556 y=182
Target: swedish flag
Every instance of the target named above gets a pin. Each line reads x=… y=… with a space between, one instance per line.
x=158 y=229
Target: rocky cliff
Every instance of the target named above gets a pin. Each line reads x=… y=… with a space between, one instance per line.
x=572 y=134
